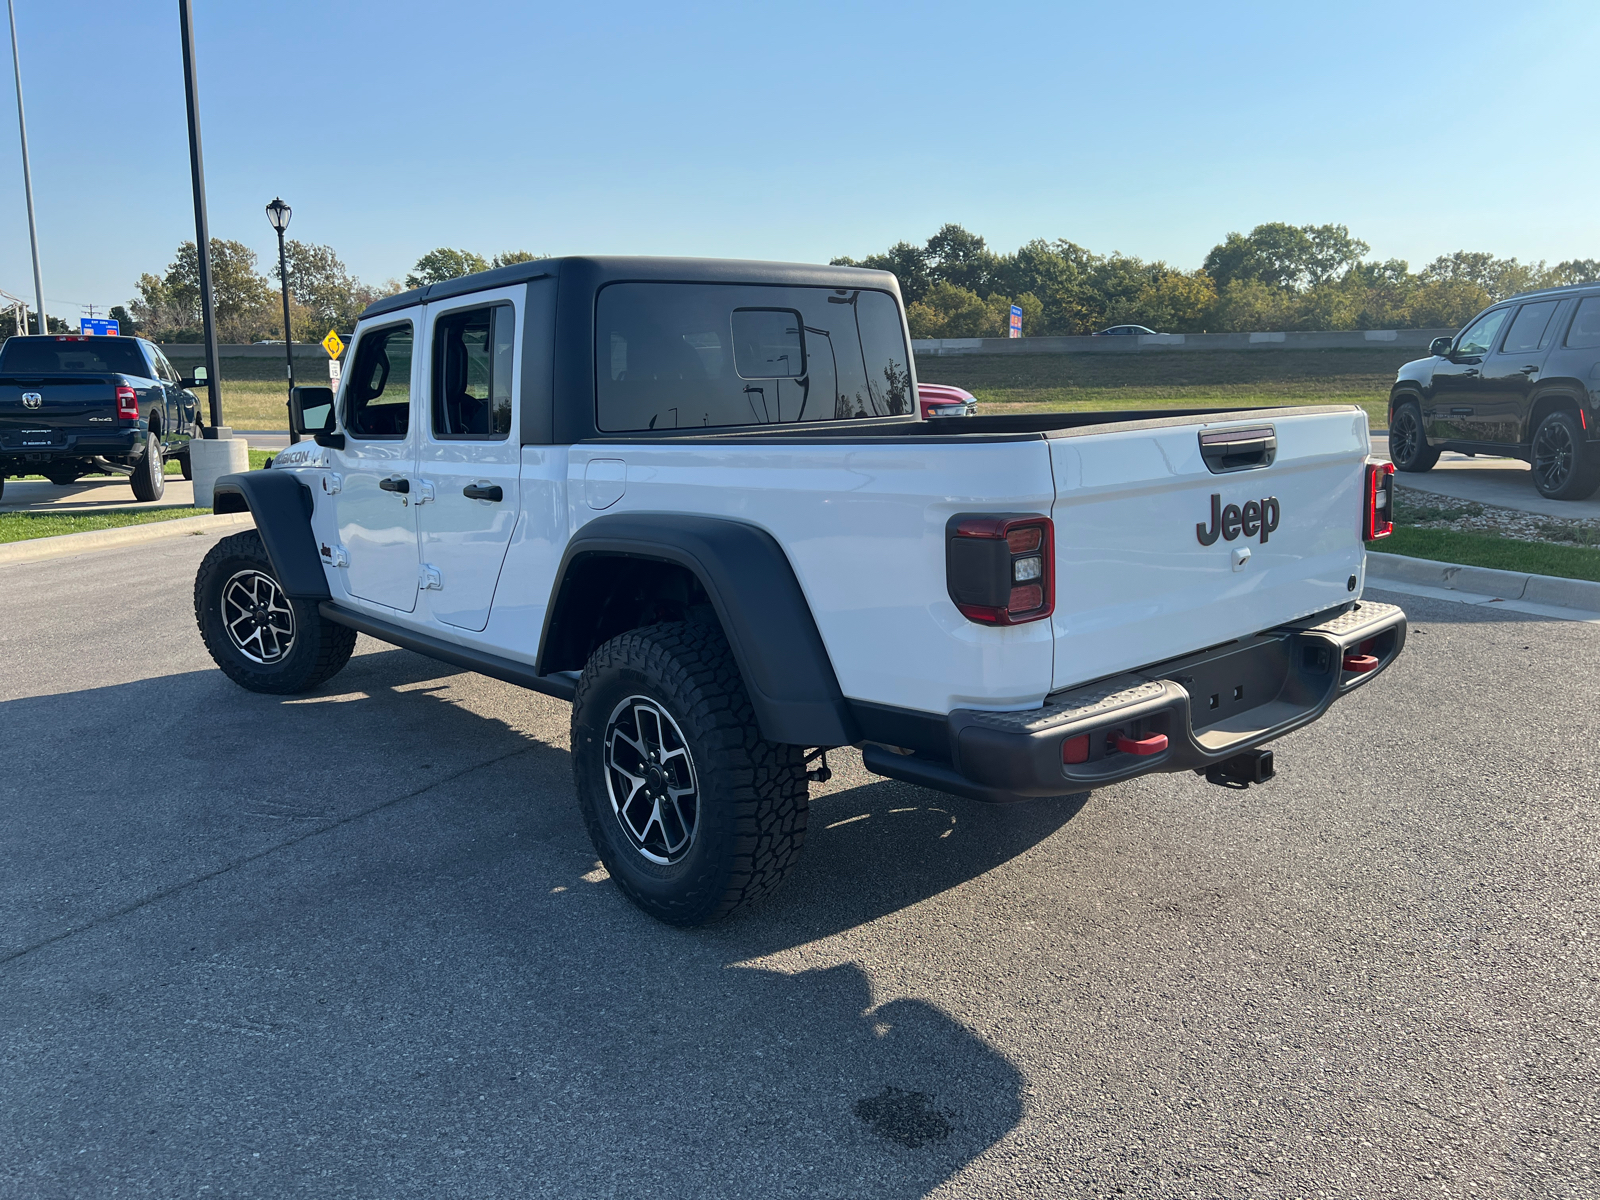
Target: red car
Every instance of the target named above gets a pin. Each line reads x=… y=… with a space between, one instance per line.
x=938 y=400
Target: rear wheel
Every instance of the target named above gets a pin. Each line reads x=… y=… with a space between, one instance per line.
x=691 y=810
x=1408 y=445
x=187 y=464
x=1565 y=465
x=149 y=479
x=263 y=639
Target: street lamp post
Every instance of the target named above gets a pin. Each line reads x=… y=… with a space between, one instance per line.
x=278 y=213
x=27 y=178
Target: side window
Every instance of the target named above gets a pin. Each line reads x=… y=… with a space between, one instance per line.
x=473 y=361
x=164 y=369
x=1527 y=330
x=686 y=355
x=1585 y=331
x=1480 y=336
x=377 y=395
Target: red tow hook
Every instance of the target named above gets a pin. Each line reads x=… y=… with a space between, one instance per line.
x=1154 y=744
x=1360 y=664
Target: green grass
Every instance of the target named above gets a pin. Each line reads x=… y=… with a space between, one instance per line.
x=1490 y=550
x=1173 y=379
x=21 y=526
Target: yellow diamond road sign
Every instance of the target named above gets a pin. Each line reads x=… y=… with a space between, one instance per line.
x=332 y=344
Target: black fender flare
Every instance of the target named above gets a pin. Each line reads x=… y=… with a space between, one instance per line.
x=765 y=616
x=282 y=507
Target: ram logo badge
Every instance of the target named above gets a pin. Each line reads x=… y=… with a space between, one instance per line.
x=32 y=399
x=1256 y=517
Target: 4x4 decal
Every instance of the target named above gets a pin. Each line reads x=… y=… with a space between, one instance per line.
x=1257 y=516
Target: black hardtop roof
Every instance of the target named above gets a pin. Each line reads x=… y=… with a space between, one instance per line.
x=611 y=268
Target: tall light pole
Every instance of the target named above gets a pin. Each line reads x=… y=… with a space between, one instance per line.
x=27 y=175
x=202 y=228
x=279 y=213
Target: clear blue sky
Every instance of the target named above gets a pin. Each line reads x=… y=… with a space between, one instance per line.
x=797 y=131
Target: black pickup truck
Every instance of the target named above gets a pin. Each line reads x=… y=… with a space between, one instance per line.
x=80 y=405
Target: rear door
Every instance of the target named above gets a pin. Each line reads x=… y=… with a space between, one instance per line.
x=376 y=507
x=1166 y=543
x=469 y=453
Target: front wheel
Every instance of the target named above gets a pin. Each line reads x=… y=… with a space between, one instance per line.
x=149 y=477
x=1565 y=465
x=1408 y=445
x=690 y=809
x=263 y=639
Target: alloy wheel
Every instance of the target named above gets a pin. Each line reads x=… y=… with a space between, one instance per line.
x=650 y=777
x=1404 y=437
x=1553 y=454
x=257 y=616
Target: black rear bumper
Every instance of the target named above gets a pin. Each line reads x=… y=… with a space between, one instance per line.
x=20 y=451
x=1208 y=707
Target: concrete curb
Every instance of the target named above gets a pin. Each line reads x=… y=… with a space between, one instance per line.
x=1580 y=594
x=67 y=544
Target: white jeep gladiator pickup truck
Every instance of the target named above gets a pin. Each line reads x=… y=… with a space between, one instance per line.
x=696 y=499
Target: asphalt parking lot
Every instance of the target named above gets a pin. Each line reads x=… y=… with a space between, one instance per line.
x=355 y=944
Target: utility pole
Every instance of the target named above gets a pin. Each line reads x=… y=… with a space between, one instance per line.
x=27 y=174
x=202 y=229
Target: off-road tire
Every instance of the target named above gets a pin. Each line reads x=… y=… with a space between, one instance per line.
x=1577 y=475
x=318 y=650
x=1410 y=450
x=149 y=480
x=63 y=478
x=752 y=794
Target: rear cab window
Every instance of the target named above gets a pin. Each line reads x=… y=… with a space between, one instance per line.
x=75 y=356
x=683 y=356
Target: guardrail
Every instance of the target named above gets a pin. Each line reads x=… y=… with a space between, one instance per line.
x=1145 y=343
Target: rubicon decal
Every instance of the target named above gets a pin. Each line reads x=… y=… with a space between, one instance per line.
x=1256 y=517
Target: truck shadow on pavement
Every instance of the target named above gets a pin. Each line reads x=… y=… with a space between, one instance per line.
x=358 y=942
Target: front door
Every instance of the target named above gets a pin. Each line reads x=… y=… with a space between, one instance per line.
x=1458 y=381
x=470 y=454
x=376 y=506
x=1510 y=373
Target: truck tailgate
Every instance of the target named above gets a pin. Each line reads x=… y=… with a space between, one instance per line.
x=1136 y=582
x=39 y=413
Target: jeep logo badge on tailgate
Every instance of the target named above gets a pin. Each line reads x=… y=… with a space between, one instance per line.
x=1257 y=516
x=32 y=399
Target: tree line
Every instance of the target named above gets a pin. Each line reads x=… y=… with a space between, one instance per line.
x=323 y=294
x=1276 y=277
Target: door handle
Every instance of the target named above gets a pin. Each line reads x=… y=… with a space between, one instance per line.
x=1470 y=373
x=403 y=486
x=492 y=491
x=1530 y=370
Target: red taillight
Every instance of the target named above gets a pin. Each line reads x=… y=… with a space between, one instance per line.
x=1378 y=517
x=127 y=404
x=1000 y=568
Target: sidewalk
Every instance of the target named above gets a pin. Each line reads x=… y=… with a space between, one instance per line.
x=1503 y=482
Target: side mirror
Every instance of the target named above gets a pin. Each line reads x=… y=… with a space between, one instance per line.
x=1440 y=347
x=311 y=410
x=198 y=379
